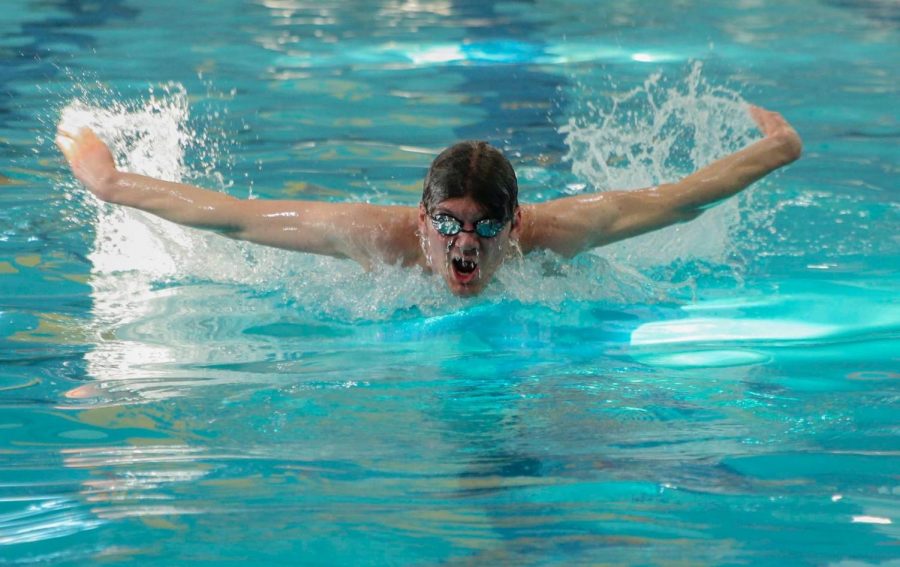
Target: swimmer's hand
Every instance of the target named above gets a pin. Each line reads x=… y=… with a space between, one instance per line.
x=365 y=233
x=90 y=160
x=774 y=126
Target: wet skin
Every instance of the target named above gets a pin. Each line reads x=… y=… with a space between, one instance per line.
x=373 y=234
x=466 y=261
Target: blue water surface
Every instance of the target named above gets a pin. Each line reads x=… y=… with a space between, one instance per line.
x=722 y=392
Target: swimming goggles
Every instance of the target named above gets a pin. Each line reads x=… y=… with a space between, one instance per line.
x=448 y=225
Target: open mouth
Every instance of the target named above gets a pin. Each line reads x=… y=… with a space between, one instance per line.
x=464 y=270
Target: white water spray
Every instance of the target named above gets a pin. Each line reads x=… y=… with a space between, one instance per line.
x=639 y=141
x=654 y=134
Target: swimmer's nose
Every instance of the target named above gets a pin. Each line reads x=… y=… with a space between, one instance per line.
x=467 y=242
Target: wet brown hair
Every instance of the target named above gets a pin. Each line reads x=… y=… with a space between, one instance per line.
x=477 y=170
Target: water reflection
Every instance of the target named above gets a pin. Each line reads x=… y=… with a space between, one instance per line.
x=236 y=403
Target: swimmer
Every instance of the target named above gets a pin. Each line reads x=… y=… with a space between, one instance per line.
x=469 y=219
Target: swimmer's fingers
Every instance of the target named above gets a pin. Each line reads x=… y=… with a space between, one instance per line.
x=90 y=159
x=66 y=137
x=65 y=143
x=63 y=131
x=767 y=121
x=84 y=137
x=773 y=125
x=83 y=145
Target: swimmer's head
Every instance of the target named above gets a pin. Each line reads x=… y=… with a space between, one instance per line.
x=476 y=170
x=469 y=214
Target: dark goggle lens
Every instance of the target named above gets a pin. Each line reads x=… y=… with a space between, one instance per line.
x=450 y=226
x=446 y=225
x=488 y=228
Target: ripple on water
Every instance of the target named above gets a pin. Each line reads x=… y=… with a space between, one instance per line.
x=830 y=320
x=45 y=519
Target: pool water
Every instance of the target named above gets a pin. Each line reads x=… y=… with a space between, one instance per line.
x=720 y=392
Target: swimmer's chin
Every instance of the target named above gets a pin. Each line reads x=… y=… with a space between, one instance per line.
x=471 y=289
x=465 y=291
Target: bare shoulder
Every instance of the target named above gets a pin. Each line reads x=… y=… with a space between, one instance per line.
x=386 y=233
x=569 y=225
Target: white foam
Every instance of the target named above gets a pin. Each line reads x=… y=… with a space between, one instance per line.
x=656 y=133
x=152 y=137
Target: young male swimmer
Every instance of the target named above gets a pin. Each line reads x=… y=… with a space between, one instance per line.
x=469 y=219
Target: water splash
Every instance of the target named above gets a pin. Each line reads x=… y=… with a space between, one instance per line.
x=134 y=253
x=652 y=133
x=150 y=137
x=659 y=132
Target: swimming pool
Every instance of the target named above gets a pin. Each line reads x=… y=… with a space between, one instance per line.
x=724 y=391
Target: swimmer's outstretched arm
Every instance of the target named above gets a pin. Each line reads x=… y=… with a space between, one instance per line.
x=574 y=224
x=363 y=232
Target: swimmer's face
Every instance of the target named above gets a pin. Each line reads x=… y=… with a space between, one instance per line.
x=467 y=260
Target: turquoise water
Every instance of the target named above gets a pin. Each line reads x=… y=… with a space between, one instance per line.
x=721 y=392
